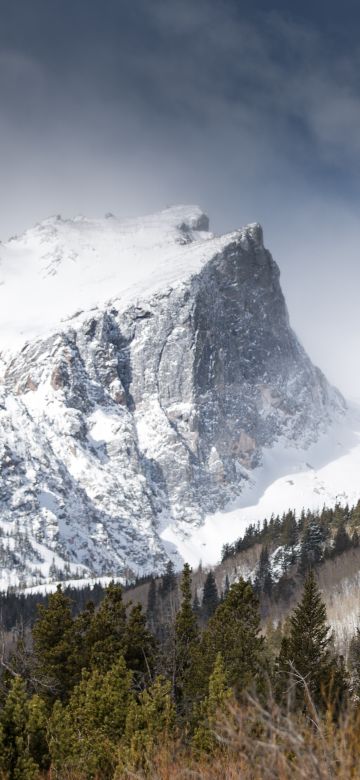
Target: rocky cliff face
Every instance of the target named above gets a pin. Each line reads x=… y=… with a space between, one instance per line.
x=151 y=408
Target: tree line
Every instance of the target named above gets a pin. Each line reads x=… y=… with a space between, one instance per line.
x=325 y=533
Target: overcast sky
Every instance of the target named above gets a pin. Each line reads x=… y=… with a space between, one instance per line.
x=250 y=109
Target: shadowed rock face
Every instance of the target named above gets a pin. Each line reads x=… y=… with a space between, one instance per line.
x=158 y=410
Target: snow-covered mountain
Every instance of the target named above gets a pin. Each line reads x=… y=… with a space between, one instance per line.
x=148 y=371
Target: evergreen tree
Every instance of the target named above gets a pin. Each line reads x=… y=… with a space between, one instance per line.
x=226 y=552
x=168 y=580
x=306 y=652
x=215 y=703
x=80 y=655
x=263 y=580
x=290 y=530
x=356 y=514
x=83 y=736
x=340 y=514
x=342 y=541
x=210 y=597
x=186 y=637
x=139 y=645
x=106 y=636
x=150 y=722
x=53 y=645
x=23 y=748
x=312 y=544
x=234 y=632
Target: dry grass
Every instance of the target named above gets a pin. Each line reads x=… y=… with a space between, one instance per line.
x=262 y=744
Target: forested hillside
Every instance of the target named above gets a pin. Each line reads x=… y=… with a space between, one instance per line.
x=202 y=679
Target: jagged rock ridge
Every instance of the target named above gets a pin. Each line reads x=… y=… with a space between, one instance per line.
x=150 y=408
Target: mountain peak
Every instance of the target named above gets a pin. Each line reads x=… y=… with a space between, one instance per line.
x=152 y=368
x=80 y=263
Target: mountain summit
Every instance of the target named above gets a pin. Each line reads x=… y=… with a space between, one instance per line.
x=148 y=365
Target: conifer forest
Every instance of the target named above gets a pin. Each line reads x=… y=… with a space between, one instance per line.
x=166 y=678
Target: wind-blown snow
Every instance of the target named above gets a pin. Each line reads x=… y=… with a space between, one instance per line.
x=67 y=266
x=326 y=473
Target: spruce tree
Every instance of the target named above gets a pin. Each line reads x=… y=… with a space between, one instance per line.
x=150 y=723
x=306 y=653
x=84 y=735
x=290 y=530
x=106 y=636
x=263 y=580
x=312 y=544
x=186 y=637
x=53 y=645
x=219 y=694
x=210 y=599
x=79 y=658
x=234 y=631
x=168 y=583
x=342 y=541
x=23 y=746
x=139 y=645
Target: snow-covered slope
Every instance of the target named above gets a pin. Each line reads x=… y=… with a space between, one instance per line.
x=149 y=369
x=289 y=477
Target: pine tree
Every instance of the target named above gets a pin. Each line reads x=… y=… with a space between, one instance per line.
x=342 y=541
x=168 y=601
x=106 y=637
x=149 y=723
x=80 y=655
x=306 y=652
x=139 y=645
x=219 y=694
x=356 y=514
x=263 y=580
x=290 y=530
x=186 y=636
x=23 y=748
x=53 y=645
x=83 y=736
x=210 y=597
x=312 y=544
x=234 y=631
x=168 y=580
x=36 y=727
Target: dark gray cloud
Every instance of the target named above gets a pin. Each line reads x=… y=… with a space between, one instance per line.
x=249 y=110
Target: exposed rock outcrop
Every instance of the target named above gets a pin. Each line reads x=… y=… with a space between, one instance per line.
x=155 y=409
